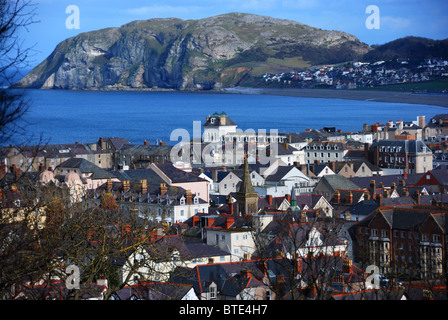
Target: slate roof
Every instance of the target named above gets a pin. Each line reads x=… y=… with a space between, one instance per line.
x=146 y=150
x=401 y=218
x=202 y=276
x=187 y=250
x=338 y=182
x=387 y=180
x=87 y=167
x=134 y=176
x=214 y=120
x=407 y=146
x=177 y=175
x=153 y=291
x=309 y=200
x=283 y=149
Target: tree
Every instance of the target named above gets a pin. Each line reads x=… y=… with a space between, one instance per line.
x=15 y=15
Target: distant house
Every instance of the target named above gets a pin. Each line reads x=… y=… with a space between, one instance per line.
x=366 y=169
x=141 y=156
x=239 y=242
x=152 y=290
x=157 y=202
x=328 y=185
x=324 y=151
x=91 y=175
x=239 y=280
x=313 y=202
x=437 y=176
x=410 y=240
x=163 y=255
x=178 y=178
x=285 y=152
x=413 y=156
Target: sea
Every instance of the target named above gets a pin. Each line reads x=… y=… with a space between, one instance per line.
x=65 y=116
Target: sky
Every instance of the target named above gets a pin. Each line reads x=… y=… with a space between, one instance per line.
x=392 y=19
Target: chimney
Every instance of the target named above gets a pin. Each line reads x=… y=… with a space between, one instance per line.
x=417 y=197
x=288 y=197
x=146 y=143
x=163 y=189
x=372 y=187
x=405 y=192
x=41 y=167
x=246 y=273
x=394 y=186
x=337 y=197
x=128 y=185
x=333 y=166
x=349 y=197
x=188 y=196
x=162 y=143
x=215 y=175
x=229 y=203
x=402 y=182
x=299 y=265
x=347 y=215
x=144 y=186
x=222 y=120
x=101 y=143
x=195 y=221
x=379 y=199
x=269 y=199
x=421 y=121
x=109 y=185
x=229 y=222
x=347 y=266
x=366 y=151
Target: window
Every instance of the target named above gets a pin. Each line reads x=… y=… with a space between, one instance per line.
x=384 y=233
x=436 y=238
x=182 y=212
x=212 y=290
x=374 y=232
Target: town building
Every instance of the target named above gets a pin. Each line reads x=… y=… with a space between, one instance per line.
x=412 y=156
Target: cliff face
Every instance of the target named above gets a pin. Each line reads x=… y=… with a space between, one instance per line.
x=189 y=54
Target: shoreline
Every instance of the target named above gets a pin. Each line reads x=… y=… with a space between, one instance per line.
x=440 y=100
x=431 y=99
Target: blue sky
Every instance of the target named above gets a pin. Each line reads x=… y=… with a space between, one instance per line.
x=398 y=18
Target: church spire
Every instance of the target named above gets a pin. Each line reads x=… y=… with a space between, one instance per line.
x=246 y=197
x=246 y=184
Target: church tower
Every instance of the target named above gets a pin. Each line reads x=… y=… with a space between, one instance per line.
x=246 y=197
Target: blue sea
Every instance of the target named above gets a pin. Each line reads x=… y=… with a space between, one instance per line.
x=60 y=116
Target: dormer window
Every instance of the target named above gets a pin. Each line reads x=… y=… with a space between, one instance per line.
x=182 y=200
x=212 y=120
x=196 y=200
